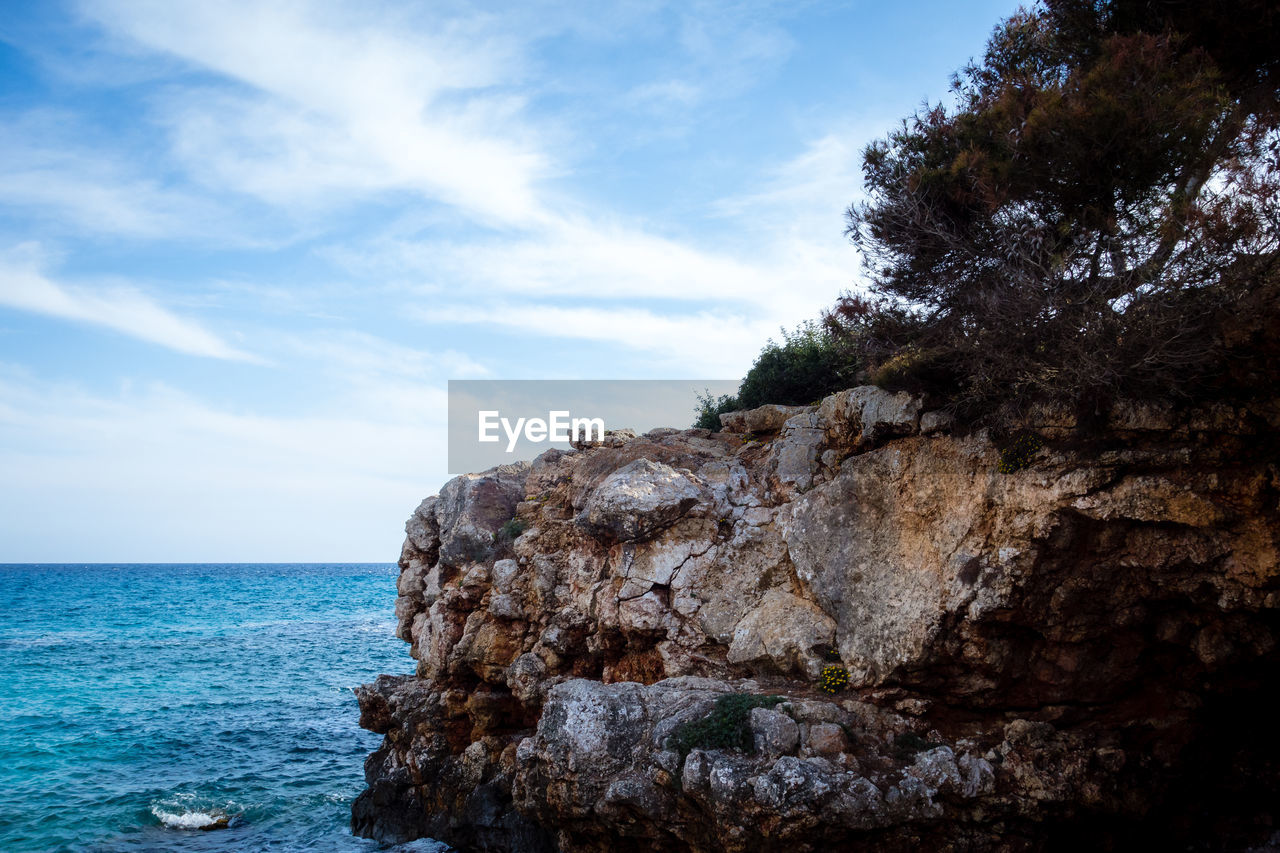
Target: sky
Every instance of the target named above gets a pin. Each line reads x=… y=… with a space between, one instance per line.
x=245 y=244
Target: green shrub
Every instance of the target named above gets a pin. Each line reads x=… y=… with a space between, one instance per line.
x=711 y=408
x=833 y=679
x=728 y=726
x=809 y=363
x=511 y=530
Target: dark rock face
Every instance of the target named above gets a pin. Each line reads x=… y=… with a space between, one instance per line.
x=420 y=787
x=1077 y=653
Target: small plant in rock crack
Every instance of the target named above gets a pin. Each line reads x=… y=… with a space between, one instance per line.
x=509 y=531
x=1018 y=453
x=728 y=726
x=833 y=679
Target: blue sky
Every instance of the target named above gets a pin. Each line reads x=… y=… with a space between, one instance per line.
x=243 y=245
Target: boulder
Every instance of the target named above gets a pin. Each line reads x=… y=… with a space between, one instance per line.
x=768 y=418
x=639 y=500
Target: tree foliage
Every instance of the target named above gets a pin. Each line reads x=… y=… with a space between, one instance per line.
x=1104 y=189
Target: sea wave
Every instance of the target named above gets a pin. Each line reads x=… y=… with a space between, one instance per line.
x=181 y=812
x=422 y=845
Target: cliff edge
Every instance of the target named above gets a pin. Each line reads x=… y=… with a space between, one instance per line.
x=1060 y=642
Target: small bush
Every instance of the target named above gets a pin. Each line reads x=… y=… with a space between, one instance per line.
x=1019 y=452
x=711 y=408
x=833 y=679
x=511 y=530
x=728 y=726
x=809 y=363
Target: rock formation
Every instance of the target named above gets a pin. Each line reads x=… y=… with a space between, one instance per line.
x=1076 y=652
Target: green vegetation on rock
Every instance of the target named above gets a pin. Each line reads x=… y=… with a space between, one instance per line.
x=511 y=530
x=809 y=363
x=728 y=726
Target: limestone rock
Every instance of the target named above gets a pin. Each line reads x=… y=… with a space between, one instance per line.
x=769 y=418
x=639 y=500
x=473 y=507
x=826 y=739
x=1063 y=651
x=867 y=415
x=774 y=733
x=789 y=631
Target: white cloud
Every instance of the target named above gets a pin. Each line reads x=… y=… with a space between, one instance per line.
x=666 y=93
x=370 y=374
x=339 y=98
x=704 y=344
x=339 y=105
x=640 y=287
x=358 y=355
x=25 y=287
x=608 y=260
x=91 y=190
x=822 y=180
x=570 y=258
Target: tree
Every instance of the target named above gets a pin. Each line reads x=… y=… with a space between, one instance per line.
x=1105 y=187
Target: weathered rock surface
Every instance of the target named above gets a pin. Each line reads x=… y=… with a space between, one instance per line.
x=1075 y=653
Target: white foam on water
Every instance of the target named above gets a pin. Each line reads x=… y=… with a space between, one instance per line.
x=184 y=811
x=195 y=819
x=422 y=845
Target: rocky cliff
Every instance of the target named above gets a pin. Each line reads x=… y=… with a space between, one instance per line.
x=1069 y=642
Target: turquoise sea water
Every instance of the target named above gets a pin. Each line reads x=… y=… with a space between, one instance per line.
x=140 y=701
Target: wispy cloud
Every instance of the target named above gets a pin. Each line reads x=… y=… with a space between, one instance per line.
x=567 y=257
x=366 y=373
x=25 y=287
x=702 y=344
x=49 y=172
x=330 y=107
x=339 y=105
x=314 y=105
x=818 y=183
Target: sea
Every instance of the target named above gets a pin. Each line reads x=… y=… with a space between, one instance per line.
x=141 y=705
